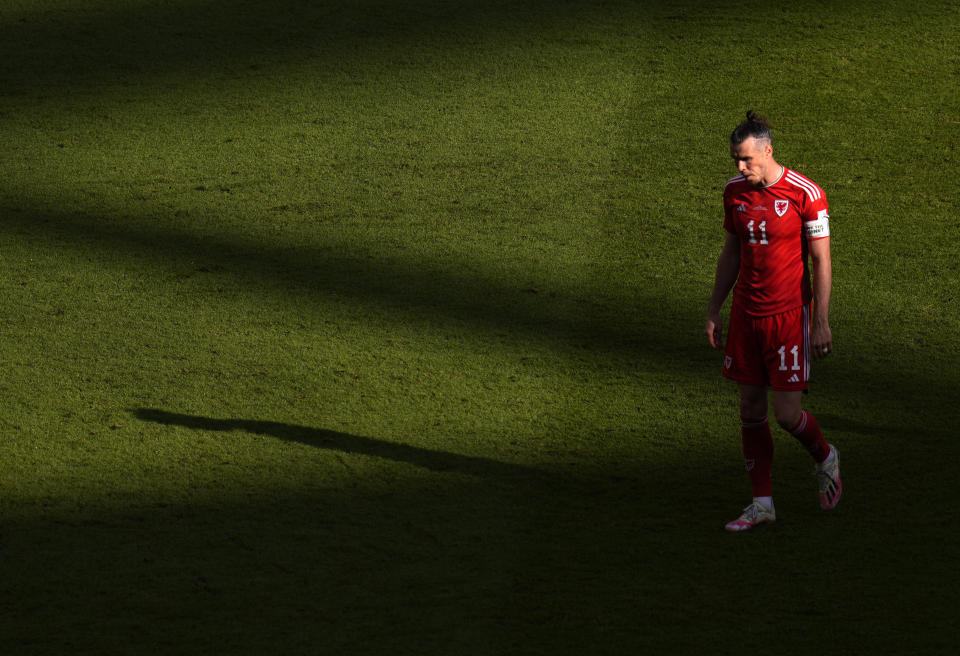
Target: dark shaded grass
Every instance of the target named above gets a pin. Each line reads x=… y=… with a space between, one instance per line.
x=411 y=291
x=342 y=442
x=124 y=42
x=490 y=561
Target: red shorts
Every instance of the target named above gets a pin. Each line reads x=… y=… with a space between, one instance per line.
x=772 y=351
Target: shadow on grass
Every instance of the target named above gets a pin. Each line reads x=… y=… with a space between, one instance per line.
x=470 y=569
x=127 y=43
x=438 y=461
x=876 y=429
x=658 y=331
x=452 y=565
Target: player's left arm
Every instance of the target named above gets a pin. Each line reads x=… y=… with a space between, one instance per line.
x=821 y=340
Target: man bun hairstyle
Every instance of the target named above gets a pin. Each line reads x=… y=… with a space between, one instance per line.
x=755 y=126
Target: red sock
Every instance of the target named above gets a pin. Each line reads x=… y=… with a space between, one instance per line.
x=811 y=437
x=758 y=454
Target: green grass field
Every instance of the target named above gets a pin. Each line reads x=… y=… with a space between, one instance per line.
x=375 y=327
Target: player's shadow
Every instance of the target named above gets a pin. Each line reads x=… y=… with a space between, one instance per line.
x=440 y=461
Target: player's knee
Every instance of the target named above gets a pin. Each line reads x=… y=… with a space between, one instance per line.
x=752 y=410
x=787 y=418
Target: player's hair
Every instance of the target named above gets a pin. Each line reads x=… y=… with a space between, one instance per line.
x=755 y=126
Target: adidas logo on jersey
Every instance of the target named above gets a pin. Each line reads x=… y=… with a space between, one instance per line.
x=793 y=379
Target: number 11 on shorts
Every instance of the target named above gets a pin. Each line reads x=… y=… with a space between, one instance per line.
x=783 y=358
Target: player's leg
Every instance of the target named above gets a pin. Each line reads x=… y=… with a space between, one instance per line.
x=757 y=444
x=756 y=439
x=743 y=362
x=800 y=423
x=787 y=355
x=803 y=426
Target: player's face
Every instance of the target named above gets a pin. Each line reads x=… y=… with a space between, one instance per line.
x=753 y=159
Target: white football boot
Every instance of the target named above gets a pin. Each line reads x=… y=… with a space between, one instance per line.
x=828 y=479
x=753 y=515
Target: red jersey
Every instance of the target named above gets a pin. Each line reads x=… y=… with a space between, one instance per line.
x=772 y=224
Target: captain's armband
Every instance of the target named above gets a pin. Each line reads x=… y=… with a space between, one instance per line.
x=820 y=227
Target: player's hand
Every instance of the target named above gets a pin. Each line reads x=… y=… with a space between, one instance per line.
x=821 y=340
x=714 y=331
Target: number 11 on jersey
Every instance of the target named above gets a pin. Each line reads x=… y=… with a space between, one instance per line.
x=763 y=232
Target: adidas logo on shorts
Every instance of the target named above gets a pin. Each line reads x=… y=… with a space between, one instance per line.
x=794 y=379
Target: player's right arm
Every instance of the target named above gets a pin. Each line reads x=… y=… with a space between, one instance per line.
x=728 y=268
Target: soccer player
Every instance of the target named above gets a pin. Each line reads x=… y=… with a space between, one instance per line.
x=774 y=219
